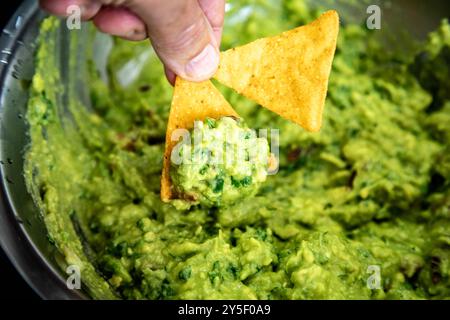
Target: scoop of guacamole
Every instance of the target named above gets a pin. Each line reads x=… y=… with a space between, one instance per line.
x=359 y=210
x=223 y=162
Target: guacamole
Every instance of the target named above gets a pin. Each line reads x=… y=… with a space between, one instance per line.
x=221 y=162
x=359 y=210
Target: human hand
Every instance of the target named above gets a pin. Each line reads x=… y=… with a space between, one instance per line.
x=184 y=33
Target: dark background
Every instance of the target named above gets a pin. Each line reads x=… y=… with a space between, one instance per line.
x=12 y=286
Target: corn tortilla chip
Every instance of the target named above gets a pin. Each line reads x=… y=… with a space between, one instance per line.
x=287 y=74
x=191 y=101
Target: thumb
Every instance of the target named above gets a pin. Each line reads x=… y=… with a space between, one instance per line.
x=181 y=36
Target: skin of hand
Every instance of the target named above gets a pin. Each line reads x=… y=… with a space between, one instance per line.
x=184 y=33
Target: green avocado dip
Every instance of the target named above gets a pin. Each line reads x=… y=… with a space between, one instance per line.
x=359 y=210
x=222 y=162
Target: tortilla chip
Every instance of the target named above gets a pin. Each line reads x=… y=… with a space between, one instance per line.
x=191 y=101
x=288 y=73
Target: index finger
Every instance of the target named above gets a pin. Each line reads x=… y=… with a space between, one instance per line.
x=88 y=8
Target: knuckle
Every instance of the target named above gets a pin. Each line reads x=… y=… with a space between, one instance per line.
x=186 y=38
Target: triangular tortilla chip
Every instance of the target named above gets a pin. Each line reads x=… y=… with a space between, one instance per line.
x=288 y=73
x=191 y=101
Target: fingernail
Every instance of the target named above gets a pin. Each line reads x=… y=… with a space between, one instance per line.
x=136 y=34
x=204 y=65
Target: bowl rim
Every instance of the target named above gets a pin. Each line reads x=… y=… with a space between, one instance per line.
x=15 y=241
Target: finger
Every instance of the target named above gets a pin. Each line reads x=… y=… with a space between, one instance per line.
x=215 y=12
x=88 y=8
x=120 y=21
x=170 y=75
x=181 y=35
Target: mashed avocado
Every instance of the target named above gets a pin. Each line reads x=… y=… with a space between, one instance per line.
x=222 y=162
x=370 y=192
